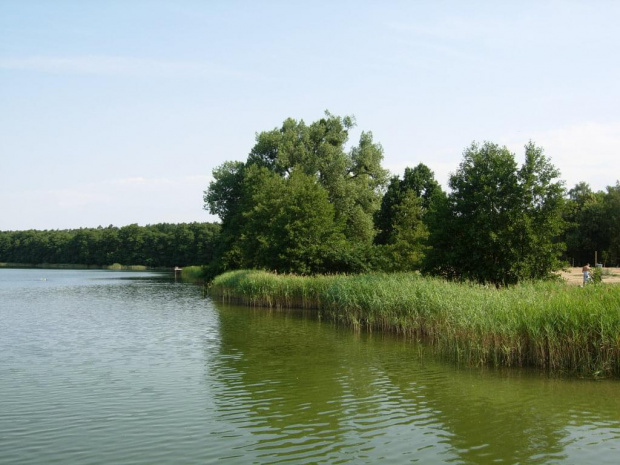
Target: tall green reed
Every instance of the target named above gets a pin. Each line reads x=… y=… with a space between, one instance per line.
x=552 y=326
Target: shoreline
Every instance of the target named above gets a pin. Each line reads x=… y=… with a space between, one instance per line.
x=72 y=266
x=552 y=326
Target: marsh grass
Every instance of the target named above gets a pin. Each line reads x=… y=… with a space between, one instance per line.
x=118 y=266
x=192 y=273
x=560 y=328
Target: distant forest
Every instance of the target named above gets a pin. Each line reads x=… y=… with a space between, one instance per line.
x=158 y=245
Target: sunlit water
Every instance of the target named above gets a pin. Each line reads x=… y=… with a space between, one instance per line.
x=101 y=367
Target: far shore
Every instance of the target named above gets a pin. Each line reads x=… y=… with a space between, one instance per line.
x=72 y=266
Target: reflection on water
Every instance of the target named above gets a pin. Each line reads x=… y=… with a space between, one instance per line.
x=127 y=367
x=319 y=391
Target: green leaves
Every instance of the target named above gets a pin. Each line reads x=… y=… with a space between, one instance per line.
x=299 y=197
x=500 y=224
x=301 y=203
x=593 y=224
x=419 y=182
x=290 y=227
x=158 y=245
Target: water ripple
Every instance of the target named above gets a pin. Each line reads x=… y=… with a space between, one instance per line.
x=96 y=369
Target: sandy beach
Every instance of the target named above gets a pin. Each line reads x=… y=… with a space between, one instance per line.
x=575 y=276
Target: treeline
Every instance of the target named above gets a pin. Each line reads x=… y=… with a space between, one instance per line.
x=158 y=245
x=301 y=203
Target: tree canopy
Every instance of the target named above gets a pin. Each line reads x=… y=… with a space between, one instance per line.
x=158 y=245
x=500 y=223
x=306 y=200
x=418 y=182
x=293 y=176
x=593 y=220
x=302 y=202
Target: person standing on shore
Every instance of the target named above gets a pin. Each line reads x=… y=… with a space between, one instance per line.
x=586 y=273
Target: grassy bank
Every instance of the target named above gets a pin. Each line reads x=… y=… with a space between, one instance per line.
x=192 y=273
x=547 y=325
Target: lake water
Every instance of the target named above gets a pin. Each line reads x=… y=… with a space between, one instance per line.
x=103 y=367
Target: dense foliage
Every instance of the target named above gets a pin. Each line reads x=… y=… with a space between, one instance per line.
x=594 y=225
x=418 y=183
x=306 y=201
x=159 y=245
x=500 y=224
x=301 y=203
x=401 y=222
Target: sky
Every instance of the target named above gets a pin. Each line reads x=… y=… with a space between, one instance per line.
x=117 y=112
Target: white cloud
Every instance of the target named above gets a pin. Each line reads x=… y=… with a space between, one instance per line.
x=75 y=198
x=140 y=182
x=120 y=202
x=588 y=152
x=198 y=179
x=455 y=28
x=116 y=66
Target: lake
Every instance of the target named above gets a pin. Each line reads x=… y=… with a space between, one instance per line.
x=101 y=367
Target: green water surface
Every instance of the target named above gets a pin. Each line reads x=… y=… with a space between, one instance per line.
x=100 y=367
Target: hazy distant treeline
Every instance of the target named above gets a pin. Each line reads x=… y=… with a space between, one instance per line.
x=158 y=245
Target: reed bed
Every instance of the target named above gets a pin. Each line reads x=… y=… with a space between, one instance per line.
x=192 y=273
x=118 y=266
x=559 y=328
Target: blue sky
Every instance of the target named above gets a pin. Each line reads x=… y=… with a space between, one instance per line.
x=116 y=112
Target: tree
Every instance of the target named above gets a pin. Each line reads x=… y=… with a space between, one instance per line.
x=159 y=245
x=574 y=206
x=499 y=224
x=421 y=182
x=407 y=247
x=351 y=181
x=225 y=197
x=612 y=227
x=586 y=217
x=384 y=217
x=540 y=223
x=291 y=227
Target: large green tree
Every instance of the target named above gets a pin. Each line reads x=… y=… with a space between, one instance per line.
x=291 y=225
x=539 y=225
x=352 y=181
x=408 y=241
x=612 y=210
x=500 y=224
x=419 y=182
x=226 y=198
